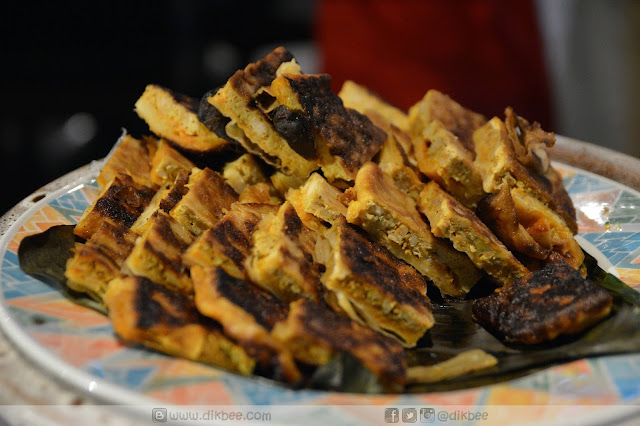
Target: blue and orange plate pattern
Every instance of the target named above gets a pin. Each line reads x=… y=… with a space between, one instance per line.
x=78 y=345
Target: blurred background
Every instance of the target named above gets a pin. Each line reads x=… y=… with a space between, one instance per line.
x=72 y=71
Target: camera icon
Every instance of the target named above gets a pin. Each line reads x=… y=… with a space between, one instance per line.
x=427 y=415
x=159 y=415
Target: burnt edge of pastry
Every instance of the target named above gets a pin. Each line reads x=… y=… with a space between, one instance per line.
x=546 y=303
x=152 y=313
x=212 y=118
x=349 y=135
x=124 y=200
x=377 y=266
x=265 y=308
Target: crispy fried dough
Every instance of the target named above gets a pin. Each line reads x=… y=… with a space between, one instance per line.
x=247 y=314
x=391 y=218
x=131 y=157
x=144 y=312
x=375 y=288
x=157 y=255
x=442 y=157
x=167 y=163
x=393 y=159
x=460 y=121
x=314 y=333
x=208 y=199
x=450 y=219
x=243 y=172
x=165 y=199
x=318 y=198
x=99 y=260
x=281 y=259
x=228 y=243
x=250 y=126
x=547 y=228
x=174 y=116
x=498 y=212
x=120 y=203
x=497 y=147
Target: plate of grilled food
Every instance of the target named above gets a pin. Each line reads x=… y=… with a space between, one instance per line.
x=273 y=242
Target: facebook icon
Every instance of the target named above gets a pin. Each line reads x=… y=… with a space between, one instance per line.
x=391 y=415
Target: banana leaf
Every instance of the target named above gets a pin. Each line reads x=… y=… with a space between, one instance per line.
x=44 y=256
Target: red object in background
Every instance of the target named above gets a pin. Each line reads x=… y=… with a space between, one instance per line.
x=485 y=54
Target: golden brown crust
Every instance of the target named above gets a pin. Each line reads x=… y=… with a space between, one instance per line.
x=208 y=199
x=502 y=158
x=460 y=121
x=318 y=198
x=391 y=218
x=167 y=163
x=131 y=157
x=174 y=116
x=364 y=100
x=442 y=157
x=228 y=243
x=547 y=228
x=158 y=254
x=99 y=260
x=450 y=219
x=282 y=257
x=393 y=158
x=498 y=212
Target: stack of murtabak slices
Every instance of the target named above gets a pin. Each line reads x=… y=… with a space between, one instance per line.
x=321 y=232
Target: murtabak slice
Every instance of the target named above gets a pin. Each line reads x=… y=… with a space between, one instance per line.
x=547 y=228
x=228 y=243
x=344 y=138
x=281 y=259
x=442 y=157
x=498 y=160
x=318 y=198
x=375 y=288
x=174 y=116
x=99 y=260
x=167 y=163
x=364 y=100
x=450 y=219
x=207 y=201
x=314 y=334
x=144 y=312
x=394 y=159
x=120 y=203
x=157 y=255
x=129 y=156
x=243 y=172
x=249 y=125
x=165 y=199
x=460 y=121
x=390 y=217
x=247 y=314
